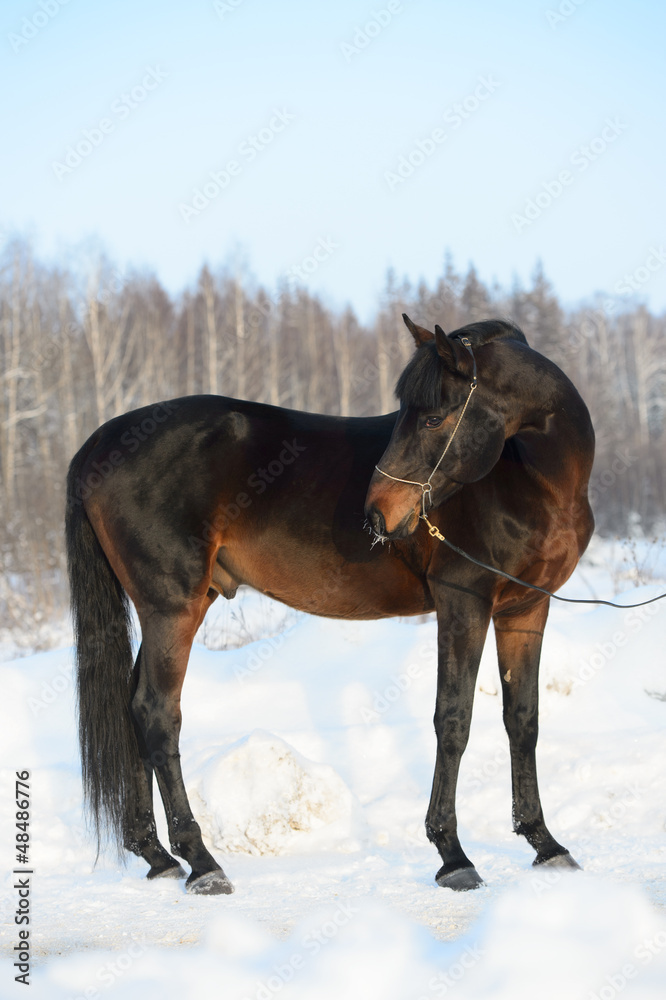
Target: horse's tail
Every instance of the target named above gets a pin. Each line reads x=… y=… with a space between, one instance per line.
x=110 y=762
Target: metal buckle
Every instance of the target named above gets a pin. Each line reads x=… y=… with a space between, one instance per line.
x=433 y=530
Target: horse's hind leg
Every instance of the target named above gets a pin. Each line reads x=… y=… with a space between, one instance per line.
x=166 y=644
x=141 y=837
x=519 y=639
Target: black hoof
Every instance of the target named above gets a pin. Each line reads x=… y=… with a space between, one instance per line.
x=462 y=879
x=176 y=871
x=213 y=883
x=564 y=861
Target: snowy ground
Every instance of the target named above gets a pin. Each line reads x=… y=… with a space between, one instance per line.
x=308 y=755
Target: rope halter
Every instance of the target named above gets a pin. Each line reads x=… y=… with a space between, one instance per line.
x=426 y=487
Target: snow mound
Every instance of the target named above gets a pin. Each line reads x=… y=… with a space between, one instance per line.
x=263 y=797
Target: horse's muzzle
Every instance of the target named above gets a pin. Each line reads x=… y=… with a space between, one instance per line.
x=376 y=520
x=378 y=524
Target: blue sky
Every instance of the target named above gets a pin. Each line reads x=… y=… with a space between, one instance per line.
x=383 y=134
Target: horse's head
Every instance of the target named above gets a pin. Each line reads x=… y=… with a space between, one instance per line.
x=443 y=425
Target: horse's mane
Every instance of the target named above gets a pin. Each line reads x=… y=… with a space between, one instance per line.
x=420 y=384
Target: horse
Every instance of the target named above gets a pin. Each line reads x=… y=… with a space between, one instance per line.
x=171 y=505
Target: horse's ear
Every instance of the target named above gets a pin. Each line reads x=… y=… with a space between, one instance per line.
x=445 y=348
x=419 y=333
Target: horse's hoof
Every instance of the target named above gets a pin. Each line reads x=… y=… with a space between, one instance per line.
x=176 y=871
x=564 y=861
x=462 y=879
x=213 y=883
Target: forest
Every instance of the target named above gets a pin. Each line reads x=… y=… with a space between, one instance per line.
x=80 y=344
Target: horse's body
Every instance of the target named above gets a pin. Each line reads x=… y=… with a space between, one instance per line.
x=175 y=503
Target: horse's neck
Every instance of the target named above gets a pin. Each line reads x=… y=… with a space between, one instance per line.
x=532 y=388
x=546 y=416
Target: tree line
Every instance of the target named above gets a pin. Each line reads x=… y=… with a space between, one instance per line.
x=79 y=345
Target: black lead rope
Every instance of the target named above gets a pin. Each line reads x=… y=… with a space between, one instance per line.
x=532 y=586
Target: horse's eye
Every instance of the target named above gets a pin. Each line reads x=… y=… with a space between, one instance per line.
x=433 y=421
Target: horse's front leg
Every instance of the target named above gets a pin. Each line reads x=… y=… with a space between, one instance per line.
x=462 y=621
x=519 y=638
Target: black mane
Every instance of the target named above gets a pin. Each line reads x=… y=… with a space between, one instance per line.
x=420 y=384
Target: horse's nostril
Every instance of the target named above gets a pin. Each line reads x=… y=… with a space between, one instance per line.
x=376 y=519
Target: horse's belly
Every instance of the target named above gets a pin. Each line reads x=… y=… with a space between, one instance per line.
x=325 y=583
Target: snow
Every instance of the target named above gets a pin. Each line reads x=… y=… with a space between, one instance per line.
x=262 y=797
x=308 y=756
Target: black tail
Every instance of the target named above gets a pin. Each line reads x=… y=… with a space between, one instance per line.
x=102 y=632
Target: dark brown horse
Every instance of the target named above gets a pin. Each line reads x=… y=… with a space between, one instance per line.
x=173 y=504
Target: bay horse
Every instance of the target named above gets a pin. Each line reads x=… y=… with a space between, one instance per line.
x=170 y=505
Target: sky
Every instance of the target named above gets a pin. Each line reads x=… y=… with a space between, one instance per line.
x=332 y=141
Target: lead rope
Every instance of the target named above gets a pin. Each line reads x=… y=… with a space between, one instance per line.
x=434 y=531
